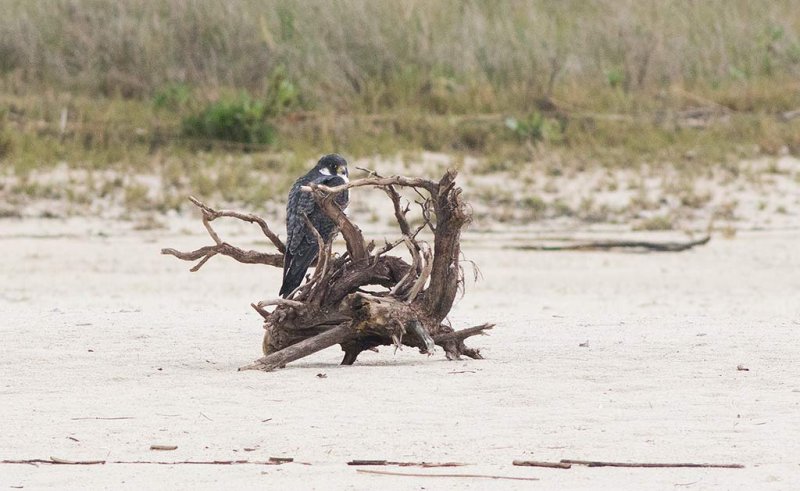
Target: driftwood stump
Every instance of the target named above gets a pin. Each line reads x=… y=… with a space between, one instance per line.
x=333 y=307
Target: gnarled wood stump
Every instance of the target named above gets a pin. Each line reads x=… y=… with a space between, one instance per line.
x=332 y=307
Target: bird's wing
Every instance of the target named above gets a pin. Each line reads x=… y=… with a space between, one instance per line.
x=300 y=240
x=300 y=204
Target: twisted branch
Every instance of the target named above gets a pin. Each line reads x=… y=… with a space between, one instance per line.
x=333 y=308
x=223 y=248
x=210 y=214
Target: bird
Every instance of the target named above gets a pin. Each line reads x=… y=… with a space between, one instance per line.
x=302 y=247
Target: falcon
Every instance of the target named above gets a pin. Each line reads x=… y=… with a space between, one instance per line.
x=301 y=243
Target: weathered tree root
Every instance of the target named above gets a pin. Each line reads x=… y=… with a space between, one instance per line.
x=332 y=307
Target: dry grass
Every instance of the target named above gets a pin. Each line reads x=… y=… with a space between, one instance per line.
x=605 y=81
x=560 y=87
x=448 y=56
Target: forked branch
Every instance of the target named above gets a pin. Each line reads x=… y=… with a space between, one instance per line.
x=223 y=248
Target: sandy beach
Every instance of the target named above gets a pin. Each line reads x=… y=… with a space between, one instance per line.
x=109 y=348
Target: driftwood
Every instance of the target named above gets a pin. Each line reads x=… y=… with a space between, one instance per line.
x=567 y=464
x=333 y=306
x=163 y=447
x=604 y=245
x=59 y=461
x=599 y=463
x=406 y=464
x=538 y=463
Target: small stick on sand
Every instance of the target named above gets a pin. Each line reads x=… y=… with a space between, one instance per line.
x=281 y=460
x=52 y=460
x=406 y=464
x=536 y=463
x=56 y=460
x=597 y=463
x=163 y=447
x=368 y=462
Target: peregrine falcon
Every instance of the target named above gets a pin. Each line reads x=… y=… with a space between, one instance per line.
x=301 y=243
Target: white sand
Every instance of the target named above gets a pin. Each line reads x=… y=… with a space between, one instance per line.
x=95 y=326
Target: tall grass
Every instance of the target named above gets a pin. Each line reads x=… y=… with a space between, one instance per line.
x=445 y=56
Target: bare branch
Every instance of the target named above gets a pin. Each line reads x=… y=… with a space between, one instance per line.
x=370 y=172
x=263 y=313
x=391 y=245
x=225 y=249
x=462 y=334
x=399 y=213
x=210 y=230
x=281 y=301
x=411 y=182
x=202 y=262
x=211 y=214
x=426 y=214
x=302 y=349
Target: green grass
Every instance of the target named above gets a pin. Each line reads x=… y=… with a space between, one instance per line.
x=235 y=97
x=130 y=136
x=444 y=57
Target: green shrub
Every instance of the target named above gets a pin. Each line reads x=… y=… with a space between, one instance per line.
x=241 y=119
x=282 y=93
x=534 y=205
x=537 y=127
x=615 y=78
x=6 y=144
x=173 y=96
x=530 y=128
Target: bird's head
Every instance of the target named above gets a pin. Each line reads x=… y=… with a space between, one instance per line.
x=333 y=165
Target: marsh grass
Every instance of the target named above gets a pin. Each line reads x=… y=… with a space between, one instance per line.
x=442 y=57
x=378 y=76
x=236 y=97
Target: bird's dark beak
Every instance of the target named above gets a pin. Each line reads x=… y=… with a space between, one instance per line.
x=341 y=170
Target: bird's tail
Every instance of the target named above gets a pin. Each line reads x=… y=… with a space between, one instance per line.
x=294 y=269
